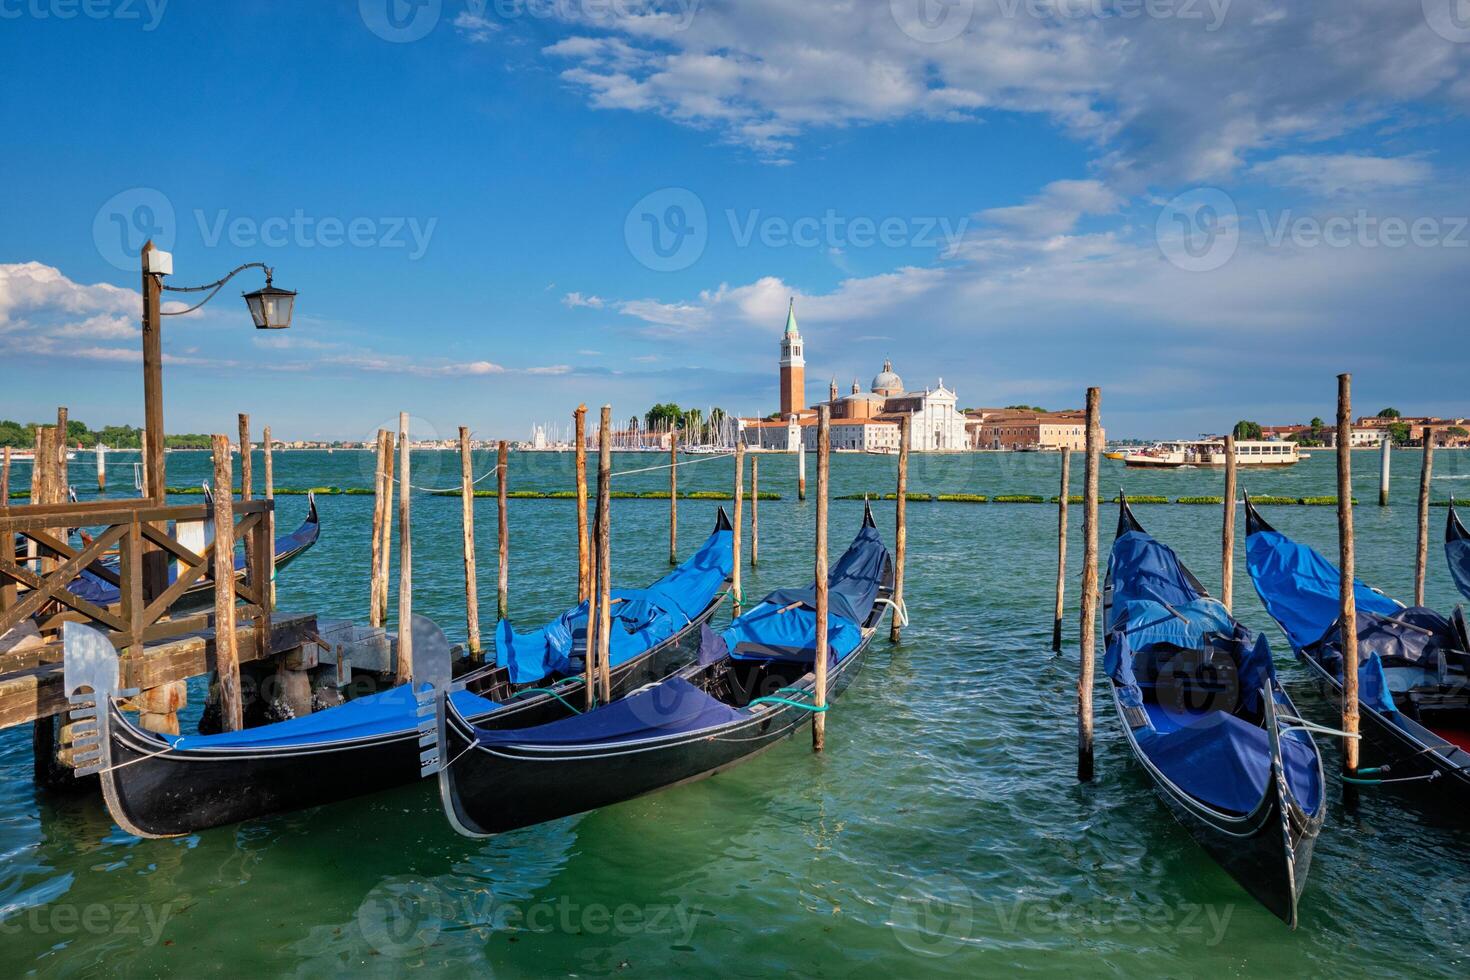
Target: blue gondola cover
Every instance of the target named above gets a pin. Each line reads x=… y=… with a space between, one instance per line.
x=1300 y=588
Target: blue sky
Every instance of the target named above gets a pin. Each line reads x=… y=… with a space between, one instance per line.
x=1208 y=207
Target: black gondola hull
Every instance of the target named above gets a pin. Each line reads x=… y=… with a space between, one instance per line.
x=153 y=791
x=491 y=791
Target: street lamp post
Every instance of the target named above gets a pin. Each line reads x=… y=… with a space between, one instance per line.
x=270 y=309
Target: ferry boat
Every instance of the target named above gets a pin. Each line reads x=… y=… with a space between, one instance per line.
x=1211 y=452
x=29 y=455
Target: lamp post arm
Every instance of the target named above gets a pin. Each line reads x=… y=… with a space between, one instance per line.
x=214 y=287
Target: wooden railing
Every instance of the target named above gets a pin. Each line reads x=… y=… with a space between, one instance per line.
x=38 y=563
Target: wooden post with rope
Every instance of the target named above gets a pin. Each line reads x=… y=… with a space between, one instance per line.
x=673 y=496
x=820 y=654
x=1088 y=637
x=604 y=552
x=1064 y=500
x=502 y=530
x=1227 y=530
x=735 y=530
x=226 y=651
x=900 y=524
x=467 y=526
x=1347 y=601
x=405 y=558
x=584 y=559
x=1421 y=555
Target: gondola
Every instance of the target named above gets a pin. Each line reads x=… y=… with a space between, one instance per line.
x=1457 y=550
x=164 y=786
x=751 y=686
x=100 y=584
x=1412 y=683
x=1196 y=692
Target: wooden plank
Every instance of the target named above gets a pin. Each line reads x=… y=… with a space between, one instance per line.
x=53 y=586
x=37 y=692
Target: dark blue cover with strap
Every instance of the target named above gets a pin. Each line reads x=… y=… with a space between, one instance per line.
x=673 y=706
x=853 y=582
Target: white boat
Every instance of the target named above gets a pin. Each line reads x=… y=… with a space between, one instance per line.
x=1211 y=452
x=29 y=456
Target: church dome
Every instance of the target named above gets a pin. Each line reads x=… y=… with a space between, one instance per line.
x=885 y=382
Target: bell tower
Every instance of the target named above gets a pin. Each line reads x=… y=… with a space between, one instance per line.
x=793 y=366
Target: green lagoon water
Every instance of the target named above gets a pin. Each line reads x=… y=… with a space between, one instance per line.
x=942 y=832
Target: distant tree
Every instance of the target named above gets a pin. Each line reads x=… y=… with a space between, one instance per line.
x=1458 y=431
x=1025 y=408
x=1399 y=433
x=1390 y=413
x=1245 y=429
x=664 y=413
x=16 y=435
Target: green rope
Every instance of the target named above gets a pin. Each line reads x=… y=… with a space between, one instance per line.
x=790 y=703
x=547 y=690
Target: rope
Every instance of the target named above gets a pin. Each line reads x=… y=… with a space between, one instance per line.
x=547 y=690
x=900 y=610
x=1294 y=723
x=476 y=482
x=1383 y=782
x=152 y=755
x=472 y=744
x=817 y=709
x=666 y=466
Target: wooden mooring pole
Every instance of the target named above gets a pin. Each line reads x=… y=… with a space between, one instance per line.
x=900 y=525
x=735 y=531
x=382 y=520
x=101 y=467
x=61 y=477
x=604 y=552
x=1089 y=589
x=467 y=522
x=270 y=494
x=1227 y=530
x=226 y=653
x=405 y=558
x=1347 y=601
x=1385 y=462
x=673 y=496
x=5 y=478
x=800 y=467
x=584 y=559
x=502 y=530
x=246 y=483
x=820 y=654
x=1063 y=500
x=1421 y=556
x=755 y=496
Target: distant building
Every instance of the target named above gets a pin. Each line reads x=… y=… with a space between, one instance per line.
x=1025 y=429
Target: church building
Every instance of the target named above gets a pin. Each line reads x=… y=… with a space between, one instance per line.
x=862 y=421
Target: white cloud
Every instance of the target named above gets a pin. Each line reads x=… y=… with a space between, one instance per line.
x=573 y=300
x=1329 y=175
x=475 y=27
x=1182 y=98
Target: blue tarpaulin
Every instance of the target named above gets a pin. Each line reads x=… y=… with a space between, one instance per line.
x=641 y=618
x=853 y=582
x=1300 y=588
x=1457 y=551
x=670 y=707
x=384 y=713
x=1199 y=740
